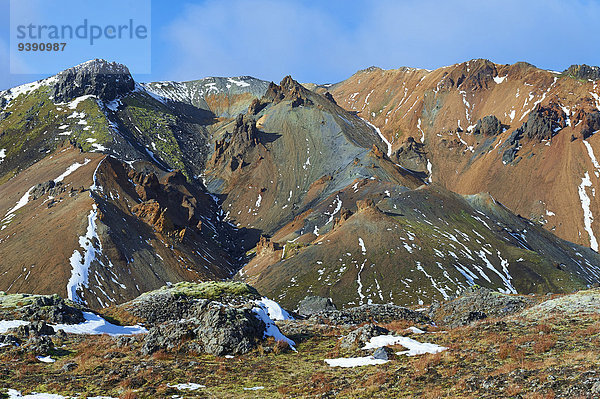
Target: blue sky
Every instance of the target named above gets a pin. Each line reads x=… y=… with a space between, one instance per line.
x=327 y=41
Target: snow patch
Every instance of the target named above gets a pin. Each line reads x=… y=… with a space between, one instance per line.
x=262 y=311
x=414 y=347
x=362 y=245
x=96 y=325
x=190 y=386
x=429 y=171
x=238 y=83
x=5 y=325
x=80 y=264
x=499 y=79
x=73 y=104
x=14 y=394
x=354 y=361
x=590 y=151
x=274 y=310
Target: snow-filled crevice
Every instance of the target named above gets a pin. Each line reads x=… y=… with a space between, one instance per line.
x=588 y=217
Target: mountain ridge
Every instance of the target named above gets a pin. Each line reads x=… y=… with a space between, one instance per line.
x=197 y=181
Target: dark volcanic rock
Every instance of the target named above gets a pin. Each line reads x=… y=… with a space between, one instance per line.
x=10 y=340
x=591 y=124
x=33 y=329
x=488 y=126
x=477 y=303
x=544 y=122
x=411 y=155
x=52 y=309
x=509 y=155
x=49 y=187
x=380 y=313
x=217 y=330
x=103 y=79
x=315 y=304
x=39 y=345
x=362 y=335
x=583 y=72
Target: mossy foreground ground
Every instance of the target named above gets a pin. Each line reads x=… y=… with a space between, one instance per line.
x=512 y=357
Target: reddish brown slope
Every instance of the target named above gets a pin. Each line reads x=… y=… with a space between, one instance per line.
x=440 y=108
x=107 y=232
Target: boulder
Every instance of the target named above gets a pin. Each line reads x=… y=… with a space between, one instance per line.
x=219 y=330
x=362 y=335
x=314 y=304
x=383 y=353
x=52 y=309
x=33 y=329
x=42 y=345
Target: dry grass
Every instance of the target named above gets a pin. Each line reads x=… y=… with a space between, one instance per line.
x=544 y=343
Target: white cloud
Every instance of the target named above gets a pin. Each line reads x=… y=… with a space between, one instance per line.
x=265 y=38
x=270 y=39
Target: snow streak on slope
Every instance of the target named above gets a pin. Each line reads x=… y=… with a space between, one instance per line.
x=2 y=154
x=590 y=151
x=10 y=214
x=71 y=169
x=80 y=264
x=389 y=145
x=588 y=217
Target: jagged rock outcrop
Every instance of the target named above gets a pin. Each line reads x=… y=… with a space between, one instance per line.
x=287 y=90
x=218 y=318
x=472 y=76
x=583 y=71
x=377 y=313
x=103 y=79
x=544 y=122
x=51 y=309
x=591 y=124
x=217 y=329
x=488 y=126
x=266 y=246
x=411 y=155
x=50 y=187
x=232 y=148
x=477 y=303
x=33 y=329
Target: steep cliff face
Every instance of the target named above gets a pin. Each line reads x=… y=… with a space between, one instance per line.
x=523 y=134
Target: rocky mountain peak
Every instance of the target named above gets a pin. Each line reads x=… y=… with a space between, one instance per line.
x=101 y=78
x=471 y=75
x=288 y=89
